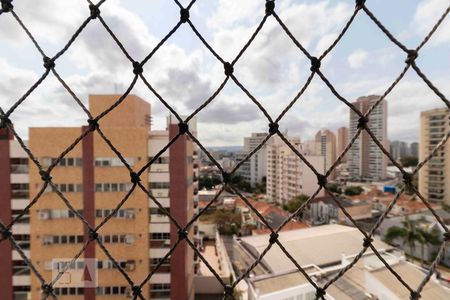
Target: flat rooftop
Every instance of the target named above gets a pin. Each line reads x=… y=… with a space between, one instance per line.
x=321 y=246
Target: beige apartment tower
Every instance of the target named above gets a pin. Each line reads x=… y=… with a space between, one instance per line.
x=326 y=147
x=366 y=161
x=434 y=176
x=341 y=142
x=94 y=181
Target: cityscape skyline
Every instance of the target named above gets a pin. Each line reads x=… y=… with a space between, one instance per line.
x=194 y=150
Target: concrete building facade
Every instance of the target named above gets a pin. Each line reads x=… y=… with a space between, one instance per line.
x=365 y=159
x=341 y=141
x=287 y=175
x=14 y=197
x=434 y=177
x=254 y=170
x=326 y=147
x=94 y=181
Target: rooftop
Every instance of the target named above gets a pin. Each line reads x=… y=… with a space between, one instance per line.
x=320 y=246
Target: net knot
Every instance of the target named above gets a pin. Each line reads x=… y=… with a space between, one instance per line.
x=412 y=55
x=95 y=11
x=49 y=63
x=45 y=176
x=273 y=238
x=359 y=4
x=4 y=121
x=414 y=295
x=182 y=234
x=47 y=289
x=407 y=178
x=270 y=6
x=321 y=180
x=137 y=290
x=93 y=235
x=228 y=68
x=93 y=124
x=226 y=177
x=134 y=177
x=315 y=64
x=367 y=242
x=6 y=233
x=228 y=290
x=446 y=236
x=183 y=127
x=7 y=5
x=273 y=128
x=362 y=122
x=184 y=15
x=320 y=292
x=137 y=68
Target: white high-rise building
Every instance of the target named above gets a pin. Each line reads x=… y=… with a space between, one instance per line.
x=254 y=169
x=287 y=175
x=366 y=161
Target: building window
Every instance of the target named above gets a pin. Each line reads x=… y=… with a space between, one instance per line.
x=159 y=236
x=127 y=213
x=159 y=185
x=64 y=162
x=65 y=188
x=112 y=290
x=113 y=187
x=19 y=165
x=62 y=239
x=112 y=161
x=19 y=190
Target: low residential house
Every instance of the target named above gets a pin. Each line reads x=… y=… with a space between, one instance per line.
x=325 y=210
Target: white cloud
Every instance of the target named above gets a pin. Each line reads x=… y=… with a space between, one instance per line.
x=426 y=15
x=357 y=58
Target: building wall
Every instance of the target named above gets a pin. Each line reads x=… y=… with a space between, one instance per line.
x=287 y=175
x=5 y=216
x=257 y=165
x=365 y=159
x=326 y=142
x=132 y=141
x=435 y=175
x=341 y=142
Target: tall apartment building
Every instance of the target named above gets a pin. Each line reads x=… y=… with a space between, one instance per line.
x=341 y=141
x=434 y=176
x=287 y=175
x=94 y=181
x=414 y=149
x=254 y=170
x=326 y=147
x=398 y=149
x=14 y=197
x=365 y=159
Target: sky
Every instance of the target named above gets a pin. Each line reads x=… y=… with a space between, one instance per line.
x=185 y=73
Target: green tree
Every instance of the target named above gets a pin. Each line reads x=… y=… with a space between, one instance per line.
x=228 y=222
x=334 y=187
x=293 y=204
x=353 y=190
x=409 y=161
x=410 y=234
